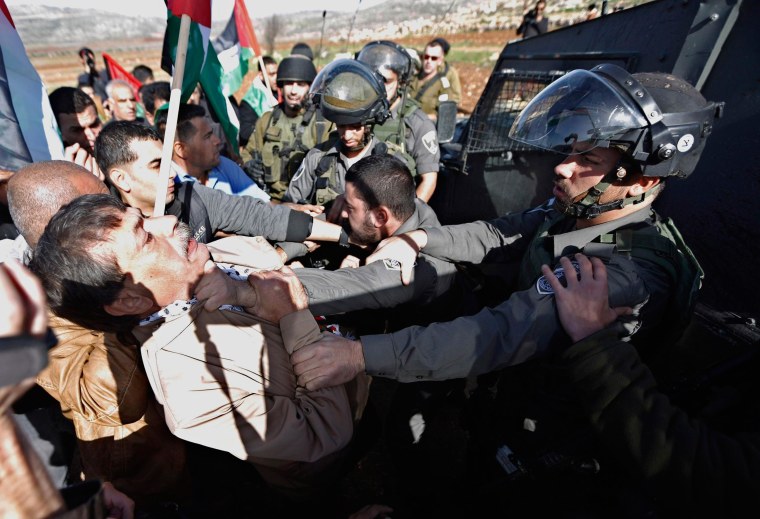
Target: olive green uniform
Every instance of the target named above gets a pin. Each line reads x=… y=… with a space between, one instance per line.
x=444 y=86
x=281 y=143
x=409 y=128
x=322 y=175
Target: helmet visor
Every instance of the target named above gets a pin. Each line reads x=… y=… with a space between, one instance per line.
x=383 y=57
x=575 y=114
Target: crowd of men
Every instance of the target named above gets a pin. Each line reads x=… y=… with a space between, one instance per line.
x=217 y=360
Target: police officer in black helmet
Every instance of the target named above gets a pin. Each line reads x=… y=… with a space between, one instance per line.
x=408 y=127
x=284 y=135
x=622 y=136
x=352 y=96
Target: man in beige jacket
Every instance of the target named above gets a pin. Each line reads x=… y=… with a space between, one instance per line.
x=224 y=376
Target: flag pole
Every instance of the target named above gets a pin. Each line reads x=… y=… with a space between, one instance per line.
x=171 y=121
x=268 y=83
x=321 y=36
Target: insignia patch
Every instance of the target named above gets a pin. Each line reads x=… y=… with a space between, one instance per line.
x=392 y=264
x=430 y=140
x=685 y=142
x=299 y=172
x=542 y=285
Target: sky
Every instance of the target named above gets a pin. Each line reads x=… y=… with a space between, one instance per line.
x=221 y=9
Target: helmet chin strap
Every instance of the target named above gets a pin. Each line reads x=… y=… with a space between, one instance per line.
x=589 y=207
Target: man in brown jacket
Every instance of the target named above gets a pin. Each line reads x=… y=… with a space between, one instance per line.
x=96 y=378
x=223 y=377
x=26 y=489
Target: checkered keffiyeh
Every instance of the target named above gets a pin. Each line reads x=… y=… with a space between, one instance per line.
x=180 y=307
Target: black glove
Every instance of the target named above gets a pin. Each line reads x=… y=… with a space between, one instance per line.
x=254 y=168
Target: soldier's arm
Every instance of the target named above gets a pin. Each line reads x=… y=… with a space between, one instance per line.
x=681 y=460
x=302 y=184
x=249 y=216
x=255 y=140
x=523 y=327
x=425 y=152
x=455 y=90
x=373 y=286
x=426 y=187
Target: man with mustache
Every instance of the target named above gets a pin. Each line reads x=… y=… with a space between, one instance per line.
x=223 y=377
x=196 y=156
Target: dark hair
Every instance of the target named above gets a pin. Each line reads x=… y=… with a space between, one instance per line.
x=384 y=180
x=142 y=72
x=153 y=91
x=114 y=144
x=69 y=100
x=77 y=282
x=85 y=50
x=185 y=128
x=440 y=42
x=267 y=60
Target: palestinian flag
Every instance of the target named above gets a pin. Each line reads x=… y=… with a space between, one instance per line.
x=116 y=71
x=202 y=64
x=235 y=46
x=27 y=125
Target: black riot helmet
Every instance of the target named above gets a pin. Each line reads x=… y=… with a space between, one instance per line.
x=296 y=68
x=347 y=91
x=659 y=122
x=387 y=55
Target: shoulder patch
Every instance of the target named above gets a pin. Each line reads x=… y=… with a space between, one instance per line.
x=445 y=82
x=430 y=140
x=542 y=284
x=392 y=264
x=300 y=171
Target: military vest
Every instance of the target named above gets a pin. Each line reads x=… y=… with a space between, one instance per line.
x=326 y=173
x=662 y=245
x=394 y=130
x=286 y=142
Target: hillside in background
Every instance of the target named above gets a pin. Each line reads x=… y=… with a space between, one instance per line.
x=477 y=30
x=49 y=26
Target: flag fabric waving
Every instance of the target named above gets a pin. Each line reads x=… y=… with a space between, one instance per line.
x=202 y=63
x=235 y=46
x=27 y=124
x=116 y=71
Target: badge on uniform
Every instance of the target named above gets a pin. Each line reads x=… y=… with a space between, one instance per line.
x=430 y=141
x=392 y=264
x=542 y=285
x=299 y=172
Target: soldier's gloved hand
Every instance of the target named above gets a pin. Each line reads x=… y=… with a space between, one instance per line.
x=254 y=168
